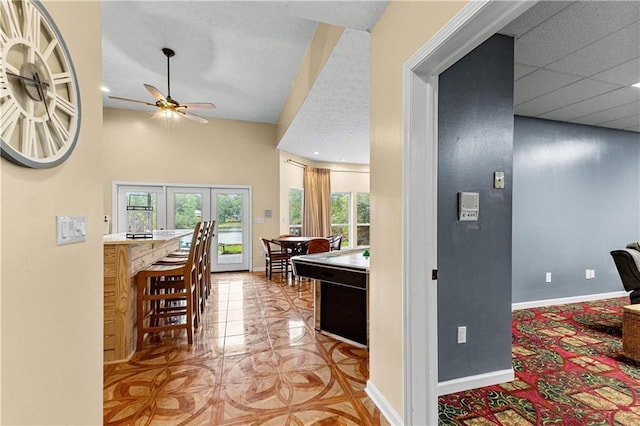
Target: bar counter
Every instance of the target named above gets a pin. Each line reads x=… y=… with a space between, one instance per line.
x=123 y=258
x=341 y=292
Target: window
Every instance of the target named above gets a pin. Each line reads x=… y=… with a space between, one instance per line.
x=362 y=212
x=136 y=199
x=295 y=211
x=188 y=210
x=341 y=216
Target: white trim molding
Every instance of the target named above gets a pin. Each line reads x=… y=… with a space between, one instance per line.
x=477 y=381
x=383 y=405
x=566 y=300
x=472 y=25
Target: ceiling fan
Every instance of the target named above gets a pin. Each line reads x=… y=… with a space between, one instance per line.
x=167 y=106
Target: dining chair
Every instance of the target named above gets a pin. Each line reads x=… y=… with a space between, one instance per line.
x=318 y=245
x=336 y=242
x=168 y=291
x=276 y=259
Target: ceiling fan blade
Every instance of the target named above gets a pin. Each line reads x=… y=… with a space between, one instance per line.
x=198 y=105
x=193 y=117
x=117 y=98
x=155 y=93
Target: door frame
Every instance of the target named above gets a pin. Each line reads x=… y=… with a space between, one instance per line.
x=475 y=23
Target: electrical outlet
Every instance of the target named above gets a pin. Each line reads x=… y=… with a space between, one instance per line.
x=462 y=334
x=587 y=274
x=547 y=277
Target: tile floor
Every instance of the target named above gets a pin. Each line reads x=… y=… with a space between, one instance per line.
x=256 y=359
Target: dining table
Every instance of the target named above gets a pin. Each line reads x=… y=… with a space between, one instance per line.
x=294 y=244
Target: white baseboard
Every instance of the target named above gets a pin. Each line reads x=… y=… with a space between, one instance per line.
x=477 y=381
x=383 y=405
x=566 y=300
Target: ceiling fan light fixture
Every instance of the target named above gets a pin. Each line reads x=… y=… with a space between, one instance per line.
x=169 y=113
x=169 y=108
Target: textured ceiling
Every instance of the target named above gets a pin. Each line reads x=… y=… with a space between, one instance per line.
x=334 y=118
x=243 y=56
x=575 y=62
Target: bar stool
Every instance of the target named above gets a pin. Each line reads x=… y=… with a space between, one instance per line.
x=207 y=258
x=181 y=256
x=169 y=291
x=202 y=258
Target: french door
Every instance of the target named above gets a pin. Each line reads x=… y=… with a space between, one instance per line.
x=181 y=207
x=230 y=208
x=187 y=206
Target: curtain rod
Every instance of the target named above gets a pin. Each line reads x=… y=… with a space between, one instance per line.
x=299 y=164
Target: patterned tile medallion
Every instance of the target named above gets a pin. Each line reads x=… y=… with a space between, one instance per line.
x=256 y=359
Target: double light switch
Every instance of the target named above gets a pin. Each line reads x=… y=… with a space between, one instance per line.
x=71 y=229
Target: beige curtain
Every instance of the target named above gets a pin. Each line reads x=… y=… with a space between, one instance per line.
x=317 y=202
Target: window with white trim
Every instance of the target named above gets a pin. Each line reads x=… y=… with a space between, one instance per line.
x=296 y=198
x=341 y=216
x=362 y=218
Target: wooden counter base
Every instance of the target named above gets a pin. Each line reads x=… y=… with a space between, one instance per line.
x=123 y=258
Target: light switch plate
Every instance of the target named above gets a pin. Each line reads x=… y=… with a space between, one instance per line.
x=71 y=229
x=498 y=180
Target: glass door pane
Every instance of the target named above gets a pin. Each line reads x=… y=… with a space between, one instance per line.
x=186 y=207
x=129 y=195
x=232 y=251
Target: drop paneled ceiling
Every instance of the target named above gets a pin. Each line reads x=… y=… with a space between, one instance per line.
x=575 y=62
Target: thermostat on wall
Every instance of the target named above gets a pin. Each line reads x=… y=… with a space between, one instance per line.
x=468 y=206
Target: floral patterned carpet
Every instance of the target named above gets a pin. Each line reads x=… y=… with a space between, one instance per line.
x=569 y=370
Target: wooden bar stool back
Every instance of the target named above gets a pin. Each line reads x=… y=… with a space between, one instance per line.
x=167 y=292
x=207 y=257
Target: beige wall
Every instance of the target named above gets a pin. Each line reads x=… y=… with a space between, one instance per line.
x=51 y=324
x=324 y=41
x=344 y=178
x=221 y=152
x=401 y=31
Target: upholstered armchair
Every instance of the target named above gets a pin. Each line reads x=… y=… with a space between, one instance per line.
x=627 y=262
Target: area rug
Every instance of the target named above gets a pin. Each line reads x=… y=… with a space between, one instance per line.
x=569 y=370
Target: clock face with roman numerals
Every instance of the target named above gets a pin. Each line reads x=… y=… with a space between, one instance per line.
x=39 y=96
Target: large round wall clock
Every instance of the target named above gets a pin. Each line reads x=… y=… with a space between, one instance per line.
x=39 y=95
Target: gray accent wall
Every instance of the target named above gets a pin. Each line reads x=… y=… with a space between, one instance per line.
x=576 y=197
x=475 y=139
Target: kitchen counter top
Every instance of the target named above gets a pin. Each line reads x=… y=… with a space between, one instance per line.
x=341 y=258
x=158 y=236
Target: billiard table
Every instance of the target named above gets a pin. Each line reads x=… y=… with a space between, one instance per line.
x=341 y=292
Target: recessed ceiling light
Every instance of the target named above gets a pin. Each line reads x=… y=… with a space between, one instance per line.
x=316 y=153
x=636 y=85
x=344 y=160
x=105 y=89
